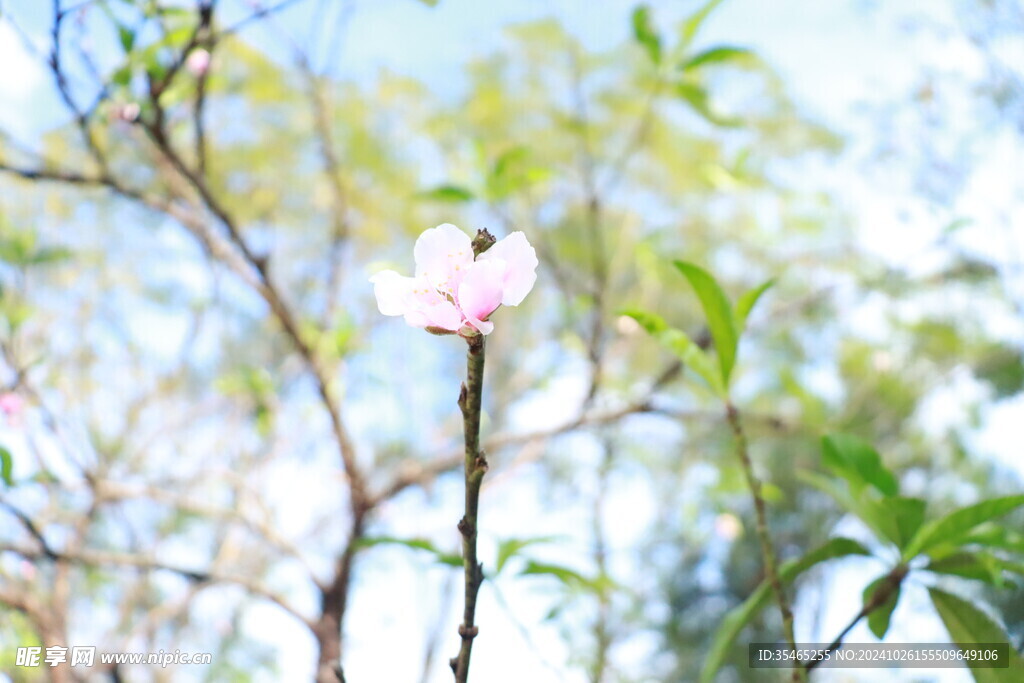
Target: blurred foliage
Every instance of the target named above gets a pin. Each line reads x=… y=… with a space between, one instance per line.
x=170 y=377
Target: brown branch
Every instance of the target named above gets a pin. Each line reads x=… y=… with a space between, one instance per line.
x=275 y=300
x=889 y=585
x=470 y=398
x=99 y=558
x=771 y=566
x=81 y=116
x=331 y=167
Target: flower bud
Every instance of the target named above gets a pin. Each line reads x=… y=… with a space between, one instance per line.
x=198 y=62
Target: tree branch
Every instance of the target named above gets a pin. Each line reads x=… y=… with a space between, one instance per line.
x=771 y=565
x=470 y=398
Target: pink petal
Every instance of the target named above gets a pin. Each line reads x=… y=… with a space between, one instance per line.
x=480 y=293
x=442 y=256
x=394 y=292
x=520 y=267
x=443 y=314
x=11 y=404
x=426 y=307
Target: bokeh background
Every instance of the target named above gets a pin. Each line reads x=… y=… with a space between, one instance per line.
x=219 y=445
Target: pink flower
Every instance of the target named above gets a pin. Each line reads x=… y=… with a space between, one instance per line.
x=452 y=291
x=11 y=405
x=128 y=111
x=198 y=61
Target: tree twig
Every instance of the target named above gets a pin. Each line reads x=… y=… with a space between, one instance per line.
x=771 y=565
x=475 y=467
x=889 y=585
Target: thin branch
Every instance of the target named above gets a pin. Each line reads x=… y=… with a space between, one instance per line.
x=323 y=116
x=886 y=589
x=98 y=558
x=281 y=310
x=470 y=398
x=771 y=565
x=256 y=16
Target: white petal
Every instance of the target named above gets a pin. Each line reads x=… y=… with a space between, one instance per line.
x=484 y=327
x=393 y=292
x=520 y=266
x=442 y=256
x=443 y=314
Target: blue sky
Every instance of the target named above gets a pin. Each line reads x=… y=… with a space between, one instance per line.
x=836 y=57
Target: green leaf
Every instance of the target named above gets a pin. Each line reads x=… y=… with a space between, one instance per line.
x=563 y=574
x=746 y=303
x=511 y=172
x=693 y=22
x=697 y=97
x=980 y=566
x=1001 y=366
x=415 y=544
x=878 y=618
x=856 y=460
x=127 y=37
x=955 y=525
x=995 y=536
x=569 y=577
x=178 y=37
x=510 y=547
x=741 y=615
x=6 y=467
x=956 y=226
x=718 y=55
x=861 y=506
x=680 y=344
x=718 y=312
x=122 y=76
x=447 y=193
x=967 y=625
x=644 y=33
x=908 y=514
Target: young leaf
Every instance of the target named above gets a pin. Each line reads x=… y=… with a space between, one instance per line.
x=741 y=615
x=719 y=54
x=968 y=625
x=6 y=467
x=746 y=303
x=48 y=255
x=127 y=37
x=956 y=524
x=680 y=344
x=995 y=536
x=856 y=460
x=510 y=547
x=908 y=514
x=645 y=34
x=569 y=577
x=447 y=193
x=693 y=23
x=415 y=544
x=863 y=507
x=980 y=566
x=698 y=99
x=718 y=312
x=878 y=619
x=563 y=574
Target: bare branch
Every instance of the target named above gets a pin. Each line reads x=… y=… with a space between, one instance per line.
x=99 y=558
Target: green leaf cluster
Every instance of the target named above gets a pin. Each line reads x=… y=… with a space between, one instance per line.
x=726 y=324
